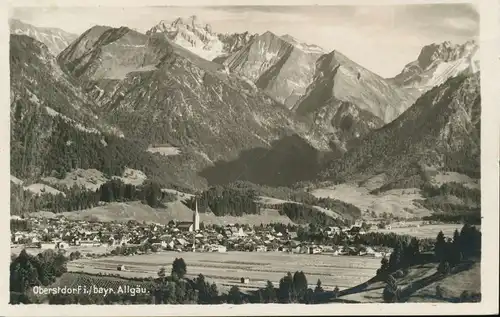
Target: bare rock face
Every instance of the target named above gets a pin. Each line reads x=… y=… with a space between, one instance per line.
x=437 y=63
x=159 y=92
x=55 y=39
x=281 y=66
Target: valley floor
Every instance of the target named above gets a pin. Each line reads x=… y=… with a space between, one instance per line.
x=227 y=269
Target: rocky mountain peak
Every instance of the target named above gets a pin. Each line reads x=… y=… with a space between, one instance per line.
x=445 y=51
x=338 y=79
x=436 y=63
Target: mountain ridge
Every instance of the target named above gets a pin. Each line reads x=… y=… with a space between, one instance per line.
x=282 y=68
x=56 y=39
x=442 y=129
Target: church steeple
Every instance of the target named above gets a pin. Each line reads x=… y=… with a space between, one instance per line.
x=196 y=217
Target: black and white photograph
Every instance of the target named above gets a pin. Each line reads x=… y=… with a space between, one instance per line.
x=243 y=154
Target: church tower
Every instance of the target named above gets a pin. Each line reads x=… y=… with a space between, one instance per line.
x=196 y=218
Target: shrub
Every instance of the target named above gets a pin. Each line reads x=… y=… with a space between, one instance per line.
x=439 y=291
x=470 y=297
x=444 y=267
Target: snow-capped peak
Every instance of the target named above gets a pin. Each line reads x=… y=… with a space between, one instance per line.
x=199 y=38
x=193 y=35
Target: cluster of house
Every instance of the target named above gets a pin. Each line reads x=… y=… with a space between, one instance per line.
x=62 y=233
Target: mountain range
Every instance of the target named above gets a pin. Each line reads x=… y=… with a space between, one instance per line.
x=191 y=108
x=55 y=39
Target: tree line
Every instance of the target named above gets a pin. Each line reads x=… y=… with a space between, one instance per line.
x=79 y=198
x=456 y=214
x=20 y=225
x=226 y=200
x=68 y=148
x=240 y=198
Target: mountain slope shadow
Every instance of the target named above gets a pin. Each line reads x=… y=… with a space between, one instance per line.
x=289 y=160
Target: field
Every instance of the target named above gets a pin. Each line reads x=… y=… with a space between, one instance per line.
x=92 y=179
x=427 y=231
x=16 y=249
x=398 y=202
x=447 y=177
x=226 y=269
x=165 y=150
x=452 y=286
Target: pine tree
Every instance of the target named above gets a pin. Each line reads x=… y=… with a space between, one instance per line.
x=269 y=293
x=396 y=257
x=384 y=267
x=285 y=291
x=318 y=288
x=440 y=246
x=234 y=295
x=299 y=284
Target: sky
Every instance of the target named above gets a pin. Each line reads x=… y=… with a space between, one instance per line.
x=380 y=38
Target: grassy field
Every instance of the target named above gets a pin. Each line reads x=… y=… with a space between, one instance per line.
x=227 y=269
x=92 y=179
x=16 y=249
x=452 y=177
x=427 y=231
x=453 y=286
x=398 y=202
x=419 y=285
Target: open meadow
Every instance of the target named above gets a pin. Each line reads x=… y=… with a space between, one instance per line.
x=16 y=249
x=226 y=269
x=425 y=231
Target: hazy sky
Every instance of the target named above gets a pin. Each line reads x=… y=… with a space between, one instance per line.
x=381 y=38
